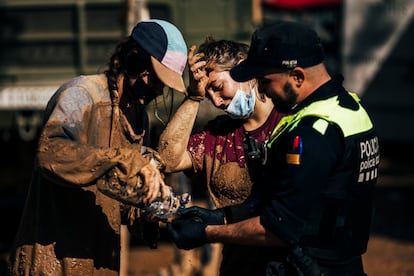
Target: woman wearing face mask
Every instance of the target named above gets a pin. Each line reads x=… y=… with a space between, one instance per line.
x=228 y=145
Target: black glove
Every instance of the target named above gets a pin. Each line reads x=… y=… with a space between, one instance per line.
x=187 y=233
x=206 y=216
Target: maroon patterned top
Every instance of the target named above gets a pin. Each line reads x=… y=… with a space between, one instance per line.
x=218 y=150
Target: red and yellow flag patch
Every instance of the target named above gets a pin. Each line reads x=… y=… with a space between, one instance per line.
x=294 y=157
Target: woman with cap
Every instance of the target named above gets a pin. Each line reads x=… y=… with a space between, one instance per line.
x=92 y=142
x=229 y=145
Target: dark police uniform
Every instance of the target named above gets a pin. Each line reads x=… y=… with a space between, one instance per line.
x=316 y=188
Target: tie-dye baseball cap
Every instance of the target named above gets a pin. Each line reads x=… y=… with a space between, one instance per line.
x=168 y=50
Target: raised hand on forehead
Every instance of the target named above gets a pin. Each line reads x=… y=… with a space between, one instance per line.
x=197 y=75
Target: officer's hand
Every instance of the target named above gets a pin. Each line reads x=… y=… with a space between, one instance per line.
x=197 y=75
x=187 y=233
x=206 y=216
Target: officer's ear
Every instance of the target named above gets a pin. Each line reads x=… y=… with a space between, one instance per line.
x=298 y=76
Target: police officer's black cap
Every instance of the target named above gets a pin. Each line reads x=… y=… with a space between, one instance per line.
x=279 y=46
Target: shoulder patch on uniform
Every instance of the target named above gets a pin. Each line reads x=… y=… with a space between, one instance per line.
x=320 y=126
x=294 y=154
x=293 y=159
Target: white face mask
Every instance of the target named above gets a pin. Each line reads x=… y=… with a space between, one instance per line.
x=242 y=104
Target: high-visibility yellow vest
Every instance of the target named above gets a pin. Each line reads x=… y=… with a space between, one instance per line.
x=350 y=121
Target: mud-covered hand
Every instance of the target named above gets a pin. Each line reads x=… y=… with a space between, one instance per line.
x=207 y=216
x=154 y=184
x=197 y=75
x=187 y=233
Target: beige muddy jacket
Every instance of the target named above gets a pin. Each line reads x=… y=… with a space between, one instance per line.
x=68 y=226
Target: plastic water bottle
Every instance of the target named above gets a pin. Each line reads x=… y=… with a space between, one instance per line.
x=168 y=208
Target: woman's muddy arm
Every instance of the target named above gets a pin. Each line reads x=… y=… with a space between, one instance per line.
x=173 y=142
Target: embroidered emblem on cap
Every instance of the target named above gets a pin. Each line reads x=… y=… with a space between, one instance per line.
x=290 y=63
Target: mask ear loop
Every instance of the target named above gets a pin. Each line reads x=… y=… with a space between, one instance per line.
x=251 y=89
x=254 y=87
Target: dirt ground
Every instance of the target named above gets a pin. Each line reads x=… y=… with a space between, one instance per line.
x=385 y=256
x=389 y=257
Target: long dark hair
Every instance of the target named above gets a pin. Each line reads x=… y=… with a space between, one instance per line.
x=128 y=59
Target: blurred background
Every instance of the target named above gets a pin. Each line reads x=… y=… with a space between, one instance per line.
x=44 y=43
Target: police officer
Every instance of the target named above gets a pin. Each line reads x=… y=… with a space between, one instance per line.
x=313 y=195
